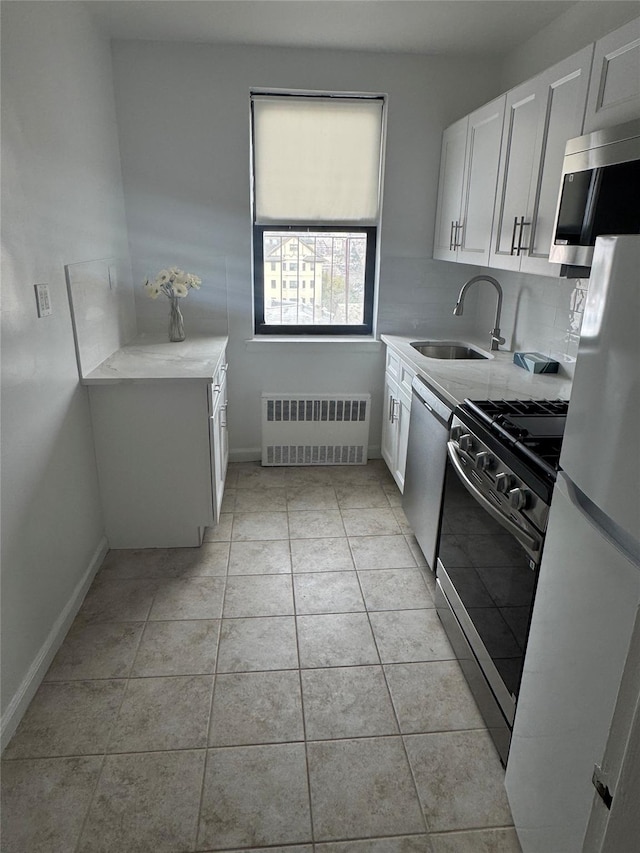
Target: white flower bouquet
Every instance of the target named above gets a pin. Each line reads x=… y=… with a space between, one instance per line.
x=175 y=284
x=172 y=282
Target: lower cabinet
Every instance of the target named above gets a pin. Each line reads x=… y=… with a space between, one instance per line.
x=218 y=440
x=161 y=452
x=395 y=418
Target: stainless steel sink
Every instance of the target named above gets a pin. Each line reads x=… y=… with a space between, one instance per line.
x=447 y=349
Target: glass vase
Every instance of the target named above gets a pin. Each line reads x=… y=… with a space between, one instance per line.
x=176 y=321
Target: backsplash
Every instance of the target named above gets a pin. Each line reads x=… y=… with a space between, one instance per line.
x=539 y=314
x=417 y=296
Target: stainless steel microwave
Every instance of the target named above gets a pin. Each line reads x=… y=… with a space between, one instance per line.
x=599 y=193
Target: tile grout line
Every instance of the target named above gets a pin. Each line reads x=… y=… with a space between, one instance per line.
x=304 y=721
x=253 y=743
x=404 y=748
x=112 y=728
x=390 y=695
x=424 y=820
x=213 y=693
x=207 y=749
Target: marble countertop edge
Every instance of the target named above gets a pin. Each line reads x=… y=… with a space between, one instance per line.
x=153 y=359
x=497 y=378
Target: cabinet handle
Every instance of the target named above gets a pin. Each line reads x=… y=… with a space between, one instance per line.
x=390 y=409
x=394 y=411
x=451 y=236
x=514 y=248
x=522 y=248
x=223 y=416
x=457 y=244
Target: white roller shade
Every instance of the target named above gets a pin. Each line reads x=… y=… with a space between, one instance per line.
x=316 y=160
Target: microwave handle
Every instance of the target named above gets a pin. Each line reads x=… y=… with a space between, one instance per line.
x=521 y=535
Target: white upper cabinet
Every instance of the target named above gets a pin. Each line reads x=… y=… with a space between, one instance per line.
x=614 y=93
x=484 y=133
x=468 y=174
x=540 y=116
x=454 y=142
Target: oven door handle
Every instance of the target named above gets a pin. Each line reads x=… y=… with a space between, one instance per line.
x=530 y=542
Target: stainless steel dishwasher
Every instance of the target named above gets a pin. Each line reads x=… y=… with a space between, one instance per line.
x=426 y=461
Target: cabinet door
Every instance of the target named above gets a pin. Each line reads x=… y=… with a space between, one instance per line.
x=219 y=444
x=153 y=496
x=614 y=91
x=403 y=413
x=514 y=176
x=450 y=183
x=562 y=94
x=389 y=442
x=480 y=178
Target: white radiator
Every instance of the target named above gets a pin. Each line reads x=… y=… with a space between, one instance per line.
x=315 y=429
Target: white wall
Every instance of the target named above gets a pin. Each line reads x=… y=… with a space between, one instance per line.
x=61 y=203
x=580 y=25
x=183 y=118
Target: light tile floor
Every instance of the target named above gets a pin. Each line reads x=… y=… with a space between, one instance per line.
x=285 y=687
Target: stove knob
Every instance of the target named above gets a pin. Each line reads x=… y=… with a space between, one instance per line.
x=503 y=482
x=456 y=432
x=518 y=498
x=484 y=460
x=465 y=442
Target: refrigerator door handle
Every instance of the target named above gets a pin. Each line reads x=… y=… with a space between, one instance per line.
x=608 y=529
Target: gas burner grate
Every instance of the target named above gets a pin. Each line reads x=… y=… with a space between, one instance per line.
x=532 y=429
x=495 y=409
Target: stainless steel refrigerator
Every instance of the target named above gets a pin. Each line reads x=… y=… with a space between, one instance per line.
x=589 y=586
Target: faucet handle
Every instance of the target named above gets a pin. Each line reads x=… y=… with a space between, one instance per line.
x=496 y=339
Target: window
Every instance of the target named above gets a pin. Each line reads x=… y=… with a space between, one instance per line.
x=316 y=163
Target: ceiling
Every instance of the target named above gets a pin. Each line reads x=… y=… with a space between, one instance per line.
x=471 y=27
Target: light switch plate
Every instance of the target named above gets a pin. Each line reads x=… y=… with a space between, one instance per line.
x=43 y=300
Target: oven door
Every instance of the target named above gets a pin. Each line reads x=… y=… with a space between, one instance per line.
x=487 y=572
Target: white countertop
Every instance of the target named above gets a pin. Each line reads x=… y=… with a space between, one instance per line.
x=497 y=378
x=154 y=359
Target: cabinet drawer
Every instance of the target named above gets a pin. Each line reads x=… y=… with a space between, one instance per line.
x=405 y=398
x=393 y=365
x=221 y=373
x=405 y=378
x=218 y=383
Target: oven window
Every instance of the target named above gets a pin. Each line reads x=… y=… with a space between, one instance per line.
x=492 y=575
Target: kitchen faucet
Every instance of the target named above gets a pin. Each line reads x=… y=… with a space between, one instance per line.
x=495 y=339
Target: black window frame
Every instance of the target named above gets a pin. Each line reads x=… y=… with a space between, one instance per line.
x=307 y=329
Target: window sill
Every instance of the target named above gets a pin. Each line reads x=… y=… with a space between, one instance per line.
x=361 y=343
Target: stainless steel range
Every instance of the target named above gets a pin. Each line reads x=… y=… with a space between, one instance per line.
x=501 y=467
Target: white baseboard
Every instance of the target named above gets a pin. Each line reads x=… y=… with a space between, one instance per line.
x=36 y=672
x=245 y=454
